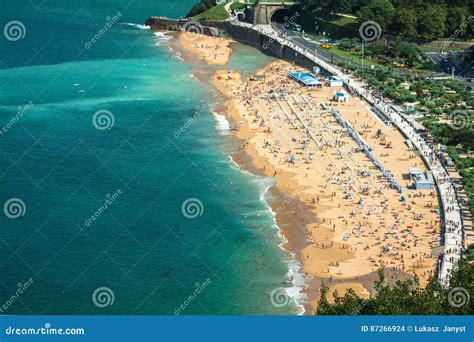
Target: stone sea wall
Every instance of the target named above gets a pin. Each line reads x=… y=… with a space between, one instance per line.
x=242 y=34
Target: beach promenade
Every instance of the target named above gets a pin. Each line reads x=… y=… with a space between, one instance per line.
x=451 y=213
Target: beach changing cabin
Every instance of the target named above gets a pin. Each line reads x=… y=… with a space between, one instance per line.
x=341 y=96
x=420 y=182
x=334 y=81
x=423 y=184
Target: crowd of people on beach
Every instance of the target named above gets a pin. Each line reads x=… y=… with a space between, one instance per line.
x=452 y=213
x=298 y=135
x=451 y=222
x=214 y=53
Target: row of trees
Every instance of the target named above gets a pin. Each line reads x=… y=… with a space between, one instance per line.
x=421 y=19
x=200 y=7
x=393 y=50
x=407 y=297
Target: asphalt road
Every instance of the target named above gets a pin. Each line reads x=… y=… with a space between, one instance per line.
x=295 y=37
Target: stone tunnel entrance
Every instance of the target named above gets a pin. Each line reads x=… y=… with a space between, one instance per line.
x=281 y=16
x=273 y=11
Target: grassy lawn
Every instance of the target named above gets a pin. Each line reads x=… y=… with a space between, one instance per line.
x=344 y=21
x=353 y=56
x=215 y=13
x=334 y=25
x=237 y=6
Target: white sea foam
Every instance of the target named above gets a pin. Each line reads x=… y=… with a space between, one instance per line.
x=298 y=280
x=163 y=34
x=138 y=26
x=299 y=283
x=294 y=265
x=222 y=124
x=162 y=37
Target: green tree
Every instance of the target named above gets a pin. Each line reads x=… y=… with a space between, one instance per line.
x=426 y=19
x=432 y=22
x=407 y=297
x=380 y=11
x=346 y=44
x=405 y=23
x=456 y=22
x=201 y=7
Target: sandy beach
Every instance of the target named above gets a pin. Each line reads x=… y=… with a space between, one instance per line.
x=338 y=212
x=213 y=51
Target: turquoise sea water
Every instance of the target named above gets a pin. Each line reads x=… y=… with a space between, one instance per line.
x=104 y=208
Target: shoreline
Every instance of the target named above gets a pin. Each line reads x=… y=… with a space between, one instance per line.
x=310 y=225
x=244 y=161
x=283 y=208
x=280 y=205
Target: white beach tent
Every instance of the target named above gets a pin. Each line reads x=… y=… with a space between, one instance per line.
x=341 y=96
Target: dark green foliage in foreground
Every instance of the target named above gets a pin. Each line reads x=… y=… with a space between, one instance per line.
x=424 y=19
x=201 y=7
x=407 y=297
